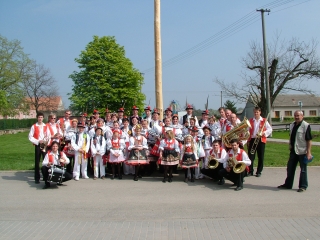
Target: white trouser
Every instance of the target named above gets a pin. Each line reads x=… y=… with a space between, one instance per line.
x=98 y=162
x=76 y=168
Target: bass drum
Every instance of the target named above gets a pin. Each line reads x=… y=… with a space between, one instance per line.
x=56 y=174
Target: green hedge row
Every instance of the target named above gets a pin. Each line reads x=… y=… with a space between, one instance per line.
x=16 y=123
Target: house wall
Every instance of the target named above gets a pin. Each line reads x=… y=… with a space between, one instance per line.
x=306 y=111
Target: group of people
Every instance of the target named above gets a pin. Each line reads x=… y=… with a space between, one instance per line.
x=137 y=146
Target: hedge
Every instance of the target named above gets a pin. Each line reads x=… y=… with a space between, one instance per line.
x=16 y=123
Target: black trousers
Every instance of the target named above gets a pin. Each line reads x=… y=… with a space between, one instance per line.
x=213 y=173
x=45 y=173
x=37 y=153
x=236 y=178
x=260 y=152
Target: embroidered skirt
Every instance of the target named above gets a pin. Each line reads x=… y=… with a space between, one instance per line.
x=169 y=157
x=189 y=161
x=137 y=157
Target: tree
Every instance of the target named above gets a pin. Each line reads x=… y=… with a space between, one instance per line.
x=230 y=105
x=14 y=67
x=291 y=64
x=40 y=87
x=106 y=78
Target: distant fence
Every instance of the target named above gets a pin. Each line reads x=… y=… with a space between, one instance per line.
x=16 y=123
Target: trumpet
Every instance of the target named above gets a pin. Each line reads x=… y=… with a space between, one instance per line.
x=213 y=162
x=237 y=167
x=259 y=135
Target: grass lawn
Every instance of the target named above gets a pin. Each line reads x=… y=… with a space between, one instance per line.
x=285 y=135
x=17 y=153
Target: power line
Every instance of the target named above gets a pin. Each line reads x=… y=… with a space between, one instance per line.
x=232 y=29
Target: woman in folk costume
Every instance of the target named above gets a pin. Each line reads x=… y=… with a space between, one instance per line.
x=98 y=149
x=134 y=123
x=189 y=157
x=169 y=153
x=200 y=151
x=126 y=134
x=137 y=156
x=116 y=147
x=57 y=158
x=81 y=144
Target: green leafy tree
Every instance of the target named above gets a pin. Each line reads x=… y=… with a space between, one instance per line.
x=14 y=67
x=106 y=78
x=230 y=105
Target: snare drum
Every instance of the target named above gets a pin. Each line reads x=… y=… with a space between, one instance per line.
x=56 y=174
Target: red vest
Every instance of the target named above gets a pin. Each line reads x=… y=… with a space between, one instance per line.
x=62 y=123
x=219 y=154
x=188 y=149
x=36 y=132
x=263 y=138
x=169 y=144
x=239 y=157
x=115 y=144
x=229 y=127
x=51 y=157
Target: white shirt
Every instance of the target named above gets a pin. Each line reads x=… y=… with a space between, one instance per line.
x=256 y=127
x=56 y=158
x=97 y=149
x=42 y=135
x=245 y=157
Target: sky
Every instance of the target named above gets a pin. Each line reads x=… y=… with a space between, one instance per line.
x=201 y=40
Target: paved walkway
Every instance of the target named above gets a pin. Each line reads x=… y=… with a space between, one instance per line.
x=150 y=209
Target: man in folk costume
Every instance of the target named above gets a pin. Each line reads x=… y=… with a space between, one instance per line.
x=92 y=123
x=155 y=119
x=135 y=113
x=137 y=147
x=55 y=130
x=218 y=153
x=185 y=120
x=83 y=121
x=194 y=131
x=81 y=144
x=240 y=156
x=204 y=118
x=120 y=115
x=39 y=135
x=168 y=113
x=206 y=142
x=67 y=149
x=108 y=118
x=148 y=116
x=54 y=158
x=96 y=114
x=260 y=128
x=98 y=149
x=230 y=125
x=65 y=123
x=126 y=134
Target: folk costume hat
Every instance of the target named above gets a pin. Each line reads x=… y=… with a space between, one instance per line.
x=147 y=108
x=189 y=106
x=168 y=109
x=205 y=112
x=84 y=115
x=80 y=125
x=206 y=127
x=95 y=111
x=155 y=111
x=135 y=108
x=121 y=110
x=194 y=129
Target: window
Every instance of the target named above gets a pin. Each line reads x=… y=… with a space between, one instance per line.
x=288 y=113
x=313 y=113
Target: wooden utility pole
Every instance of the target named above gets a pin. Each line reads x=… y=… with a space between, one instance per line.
x=158 y=58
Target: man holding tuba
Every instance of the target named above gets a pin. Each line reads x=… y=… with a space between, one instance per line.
x=259 y=131
x=214 y=162
x=235 y=165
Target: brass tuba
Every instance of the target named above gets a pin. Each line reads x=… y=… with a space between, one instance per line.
x=238 y=167
x=212 y=162
x=239 y=132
